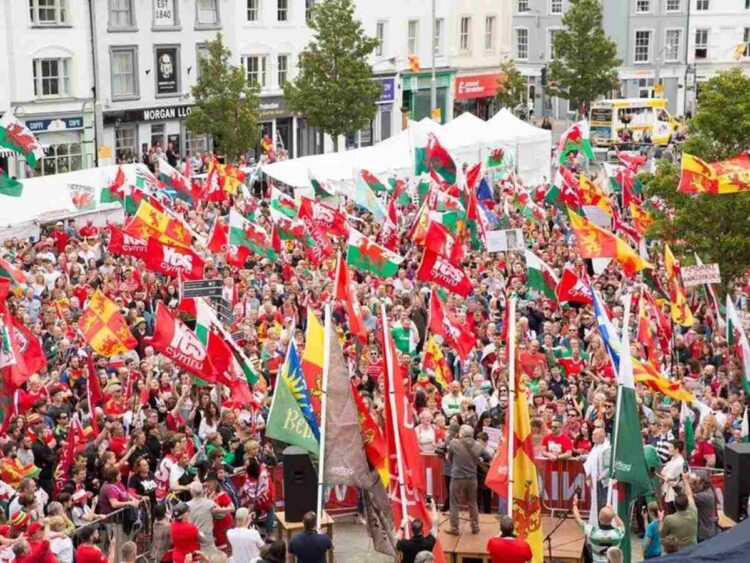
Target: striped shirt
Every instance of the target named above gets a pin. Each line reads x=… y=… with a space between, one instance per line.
x=601 y=539
x=661 y=443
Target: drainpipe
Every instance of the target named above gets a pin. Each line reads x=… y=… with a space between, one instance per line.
x=95 y=89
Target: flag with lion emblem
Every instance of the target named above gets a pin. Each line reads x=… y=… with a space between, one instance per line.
x=104 y=328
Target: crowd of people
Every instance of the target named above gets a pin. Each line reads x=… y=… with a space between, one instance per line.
x=184 y=466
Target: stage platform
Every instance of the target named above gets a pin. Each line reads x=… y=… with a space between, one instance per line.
x=567 y=542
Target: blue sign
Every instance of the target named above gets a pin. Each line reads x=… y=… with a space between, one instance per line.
x=388 y=95
x=46 y=125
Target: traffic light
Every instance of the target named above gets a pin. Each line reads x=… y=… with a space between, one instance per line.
x=544 y=76
x=414 y=63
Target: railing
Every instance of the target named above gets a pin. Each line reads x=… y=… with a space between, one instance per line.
x=111 y=530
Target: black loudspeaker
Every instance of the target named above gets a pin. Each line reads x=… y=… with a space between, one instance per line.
x=736 y=480
x=300 y=484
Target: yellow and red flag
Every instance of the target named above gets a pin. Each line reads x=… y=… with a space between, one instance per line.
x=312 y=360
x=593 y=196
x=151 y=221
x=646 y=373
x=434 y=361
x=104 y=328
x=594 y=242
x=681 y=313
x=373 y=438
x=642 y=220
x=720 y=177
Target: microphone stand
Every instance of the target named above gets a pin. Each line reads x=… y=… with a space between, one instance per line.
x=548 y=537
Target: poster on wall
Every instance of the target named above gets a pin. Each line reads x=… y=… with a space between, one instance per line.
x=166 y=70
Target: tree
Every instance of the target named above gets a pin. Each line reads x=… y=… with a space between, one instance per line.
x=334 y=89
x=714 y=226
x=511 y=85
x=585 y=64
x=226 y=105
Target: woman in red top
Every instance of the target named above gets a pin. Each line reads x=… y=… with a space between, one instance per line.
x=703 y=454
x=185 y=536
x=223 y=520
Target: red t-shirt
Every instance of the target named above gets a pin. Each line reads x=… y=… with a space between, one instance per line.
x=185 y=540
x=87 y=553
x=529 y=360
x=702 y=449
x=508 y=550
x=556 y=444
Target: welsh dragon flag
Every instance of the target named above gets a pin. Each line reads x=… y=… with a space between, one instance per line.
x=283 y=203
x=244 y=233
x=540 y=275
x=442 y=166
x=736 y=337
x=15 y=136
x=575 y=138
x=367 y=255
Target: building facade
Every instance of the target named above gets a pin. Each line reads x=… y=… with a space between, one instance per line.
x=46 y=81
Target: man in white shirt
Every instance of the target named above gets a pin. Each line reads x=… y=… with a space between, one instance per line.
x=246 y=542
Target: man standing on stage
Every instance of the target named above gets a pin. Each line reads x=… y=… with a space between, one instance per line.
x=465 y=455
x=507 y=547
x=608 y=532
x=597 y=471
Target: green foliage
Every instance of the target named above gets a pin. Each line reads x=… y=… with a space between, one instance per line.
x=511 y=85
x=226 y=106
x=717 y=227
x=334 y=89
x=586 y=62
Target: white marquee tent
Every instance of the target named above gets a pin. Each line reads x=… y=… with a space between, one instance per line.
x=531 y=145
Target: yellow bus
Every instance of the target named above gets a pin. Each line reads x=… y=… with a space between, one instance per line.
x=646 y=120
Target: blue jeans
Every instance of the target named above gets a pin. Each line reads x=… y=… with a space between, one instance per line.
x=270 y=521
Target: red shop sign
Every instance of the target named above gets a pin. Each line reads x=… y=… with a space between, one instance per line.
x=477 y=86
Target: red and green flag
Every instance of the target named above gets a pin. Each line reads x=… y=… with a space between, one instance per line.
x=365 y=254
x=250 y=235
x=10 y=186
x=14 y=135
x=442 y=166
x=575 y=139
x=540 y=276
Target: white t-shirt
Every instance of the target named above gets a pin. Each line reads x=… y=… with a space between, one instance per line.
x=63 y=549
x=246 y=544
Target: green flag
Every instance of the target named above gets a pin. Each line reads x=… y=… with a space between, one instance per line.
x=686 y=417
x=286 y=421
x=10 y=186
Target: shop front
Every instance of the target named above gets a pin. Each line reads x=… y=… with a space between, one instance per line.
x=277 y=123
x=385 y=121
x=475 y=94
x=416 y=94
x=132 y=132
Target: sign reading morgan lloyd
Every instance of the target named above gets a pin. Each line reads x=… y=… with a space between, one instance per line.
x=166 y=70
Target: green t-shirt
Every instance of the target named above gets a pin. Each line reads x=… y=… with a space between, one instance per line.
x=601 y=539
x=683 y=525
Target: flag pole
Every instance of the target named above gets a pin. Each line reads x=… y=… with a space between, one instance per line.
x=323 y=403
x=625 y=327
x=511 y=346
x=389 y=368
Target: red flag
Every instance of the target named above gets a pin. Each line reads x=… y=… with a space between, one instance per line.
x=276 y=240
x=29 y=347
x=327 y=218
x=94 y=392
x=442 y=166
x=441 y=241
x=173 y=260
x=442 y=322
x=343 y=292
x=389 y=235
x=176 y=341
x=497 y=475
x=322 y=247
x=68 y=454
x=632 y=161
x=472 y=176
x=571 y=288
x=436 y=269
x=237 y=255
x=218 y=240
x=123 y=244
x=221 y=358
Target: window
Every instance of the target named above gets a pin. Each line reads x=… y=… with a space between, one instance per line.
x=255 y=69
x=207 y=12
x=309 y=5
x=672 y=45
x=747 y=4
x=123 y=63
x=121 y=14
x=674 y=5
x=439 y=25
x=464 y=37
x=201 y=50
x=489 y=33
x=48 y=12
x=552 y=34
x=51 y=77
x=253 y=10
x=523 y=5
x=125 y=143
x=283 y=69
x=646 y=88
x=522 y=43
x=60 y=158
x=701 y=43
x=642 y=6
x=380 y=35
x=412 y=37
x=157 y=134
x=701 y=5
x=195 y=144
x=642 y=52
x=746 y=41
x=385 y=124
x=282 y=10
x=555 y=7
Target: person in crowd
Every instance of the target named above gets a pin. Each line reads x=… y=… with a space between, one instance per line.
x=310 y=546
x=87 y=551
x=683 y=522
x=244 y=538
x=186 y=536
x=507 y=547
x=465 y=454
x=651 y=543
x=607 y=533
x=408 y=548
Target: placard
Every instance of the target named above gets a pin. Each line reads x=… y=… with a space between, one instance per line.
x=164 y=15
x=166 y=70
x=698 y=275
x=505 y=240
x=494 y=437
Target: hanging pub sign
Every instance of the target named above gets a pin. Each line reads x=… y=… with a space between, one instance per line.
x=166 y=70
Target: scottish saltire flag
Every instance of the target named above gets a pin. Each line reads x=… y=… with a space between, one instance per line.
x=291 y=372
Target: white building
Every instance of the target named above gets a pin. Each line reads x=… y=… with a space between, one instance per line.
x=719 y=39
x=46 y=82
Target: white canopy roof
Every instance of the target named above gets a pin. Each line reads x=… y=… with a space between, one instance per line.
x=532 y=145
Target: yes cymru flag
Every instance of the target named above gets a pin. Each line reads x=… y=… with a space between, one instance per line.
x=442 y=322
x=104 y=327
x=173 y=260
x=594 y=242
x=123 y=244
x=436 y=269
